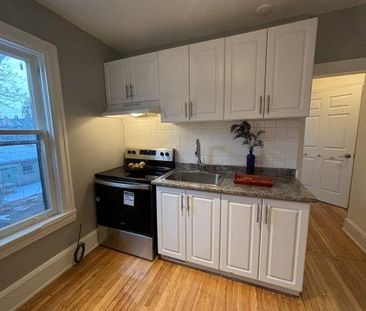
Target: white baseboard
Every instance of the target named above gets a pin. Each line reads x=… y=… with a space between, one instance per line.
x=19 y=292
x=355 y=233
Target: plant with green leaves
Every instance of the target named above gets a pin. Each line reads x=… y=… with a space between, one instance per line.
x=243 y=130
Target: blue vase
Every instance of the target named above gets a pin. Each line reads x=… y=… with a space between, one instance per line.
x=250 y=163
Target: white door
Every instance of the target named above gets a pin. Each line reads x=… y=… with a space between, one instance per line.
x=240 y=235
x=312 y=150
x=145 y=78
x=203 y=228
x=289 y=69
x=171 y=222
x=283 y=243
x=245 y=59
x=338 y=133
x=207 y=80
x=174 y=84
x=117 y=82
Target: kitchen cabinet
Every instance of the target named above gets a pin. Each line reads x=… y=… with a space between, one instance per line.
x=283 y=243
x=203 y=228
x=174 y=84
x=289 y=69
x=240 y=235
x=249 y=238
x=261 y=74
x=117 y=82
x=207 y=80
x=171 y=220
x=245 y=69
x=272 y=84
x=132 y=80
x=192 y=82
x=188 y=226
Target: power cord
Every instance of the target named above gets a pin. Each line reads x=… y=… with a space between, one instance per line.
x=80 y=249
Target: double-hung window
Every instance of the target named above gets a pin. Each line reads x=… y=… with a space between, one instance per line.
x=35 y=184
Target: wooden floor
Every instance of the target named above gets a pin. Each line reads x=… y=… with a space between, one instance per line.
x=335 y=279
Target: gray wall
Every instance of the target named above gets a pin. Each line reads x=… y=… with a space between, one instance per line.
x=341 y=35
x=95 y=143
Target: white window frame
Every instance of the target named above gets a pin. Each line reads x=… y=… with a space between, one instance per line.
x=54 y=140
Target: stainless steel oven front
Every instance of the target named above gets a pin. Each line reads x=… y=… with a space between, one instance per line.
x=126 y=216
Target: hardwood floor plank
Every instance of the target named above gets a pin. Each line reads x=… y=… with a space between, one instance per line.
x=106 y=280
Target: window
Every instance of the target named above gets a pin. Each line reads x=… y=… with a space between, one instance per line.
x=35 y=184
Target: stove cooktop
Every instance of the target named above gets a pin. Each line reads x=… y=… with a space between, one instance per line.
x=158 y=162
x=121 y=174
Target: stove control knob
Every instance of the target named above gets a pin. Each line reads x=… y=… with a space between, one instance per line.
x=129 y=151
x=133 y=152
x=162 y=154
x=167 y=154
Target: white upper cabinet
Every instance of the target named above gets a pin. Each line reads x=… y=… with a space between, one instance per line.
x=289 y=69
x=245 y=63
x=117 y=82
x=203 y=228
x=174 y=84
x=171 y=222
x=144 y=78
x=283 y=243
x=132 y=80
x=240 y=235
x=207 y=80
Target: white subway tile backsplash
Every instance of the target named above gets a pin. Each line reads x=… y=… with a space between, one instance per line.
x=281 y=140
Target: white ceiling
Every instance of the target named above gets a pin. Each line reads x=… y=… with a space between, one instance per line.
x=135 y=25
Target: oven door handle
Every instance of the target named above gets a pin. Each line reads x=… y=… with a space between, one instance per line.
x=123 y=185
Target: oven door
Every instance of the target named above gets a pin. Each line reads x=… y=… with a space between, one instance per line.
x=125 y=206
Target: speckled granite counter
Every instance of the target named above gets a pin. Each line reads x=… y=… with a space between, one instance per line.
x=286 y=188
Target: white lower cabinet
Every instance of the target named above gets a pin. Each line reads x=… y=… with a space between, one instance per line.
x=171 y=221
x=240 y=235
x=263 y=240
x=283 y=243
x=203 y=228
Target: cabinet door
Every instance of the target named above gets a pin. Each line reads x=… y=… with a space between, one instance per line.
x=207 y=80
x=240 y=232
x=203 y=228
x=283 y=243
x=171 y=222
x=245 y=60
x=290 y=60
x=174 y=84
x=117 y=82
x=145 y=78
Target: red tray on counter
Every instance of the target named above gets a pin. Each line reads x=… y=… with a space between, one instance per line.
x=254 y=180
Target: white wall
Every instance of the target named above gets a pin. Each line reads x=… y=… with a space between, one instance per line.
x=281 y=140
x=355 y=223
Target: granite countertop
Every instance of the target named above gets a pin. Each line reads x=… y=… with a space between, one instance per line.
x=287 y=188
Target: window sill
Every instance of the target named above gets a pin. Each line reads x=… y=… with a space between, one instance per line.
x=23 y=238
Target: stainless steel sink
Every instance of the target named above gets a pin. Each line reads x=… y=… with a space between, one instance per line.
x=197 y=177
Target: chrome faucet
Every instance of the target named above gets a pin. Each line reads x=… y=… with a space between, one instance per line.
x=200 y=164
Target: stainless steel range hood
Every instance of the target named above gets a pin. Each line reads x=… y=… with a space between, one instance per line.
x=133 y=108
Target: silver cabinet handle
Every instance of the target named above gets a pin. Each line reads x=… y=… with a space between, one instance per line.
x=188 y=207
x=190 y=109
x=127 y=95
x=131 y=91
x=185 y=109
x=268 y=102
x=181 y=204
x=266 y=214
x=259 y=211
x=260 y=104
